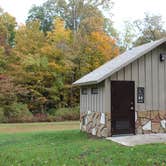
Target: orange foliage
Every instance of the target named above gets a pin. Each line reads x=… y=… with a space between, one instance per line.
x=105 y=44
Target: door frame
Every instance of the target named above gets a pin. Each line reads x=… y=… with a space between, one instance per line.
x=134 y=126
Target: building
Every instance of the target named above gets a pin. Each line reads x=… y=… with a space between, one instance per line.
x=126 y=95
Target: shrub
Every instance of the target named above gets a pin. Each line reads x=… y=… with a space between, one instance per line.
x=62 y=114
x=2 y=117
x=17 y=112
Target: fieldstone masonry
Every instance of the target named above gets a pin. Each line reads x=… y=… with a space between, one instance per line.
x=96 y=123
x=99 y=124
x=150 y=122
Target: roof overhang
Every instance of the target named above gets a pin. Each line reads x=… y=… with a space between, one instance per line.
x=145 y=51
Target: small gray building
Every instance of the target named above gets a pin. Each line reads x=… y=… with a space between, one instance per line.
x=126 y=95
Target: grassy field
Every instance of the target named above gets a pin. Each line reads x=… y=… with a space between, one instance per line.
x=34 y=127
x=70 y=148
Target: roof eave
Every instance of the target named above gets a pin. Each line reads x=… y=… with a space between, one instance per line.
x=132 y=60
x=85 y=83
x=119 y=68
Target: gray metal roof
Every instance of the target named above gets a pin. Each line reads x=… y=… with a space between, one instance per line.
x=114 y=65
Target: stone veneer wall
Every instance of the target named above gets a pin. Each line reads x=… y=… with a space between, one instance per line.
x=150 y=122
x=99 y=124
x=96 y=123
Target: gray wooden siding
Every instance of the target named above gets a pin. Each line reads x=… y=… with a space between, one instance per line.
x=93 y=102
x=150 y=73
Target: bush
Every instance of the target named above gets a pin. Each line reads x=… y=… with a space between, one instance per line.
x=62 y=114
x=2 y=117
x=17 y=112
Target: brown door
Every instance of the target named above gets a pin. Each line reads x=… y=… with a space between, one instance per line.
x=122 y=107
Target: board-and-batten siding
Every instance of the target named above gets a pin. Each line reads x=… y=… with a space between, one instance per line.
x=92 y=102
x=150 y=73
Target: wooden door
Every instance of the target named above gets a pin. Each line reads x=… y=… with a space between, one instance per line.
x=122 y=107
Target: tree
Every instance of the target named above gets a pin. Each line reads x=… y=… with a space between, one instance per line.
x=149 y=29
x=109 y=28
x=82 y=17
x=57 y=47
x=29 y=64
x=7 y=39
x=29 y=39
x=42 y=64
x=46 y=62
x=7 y=31
x=99 y=49
x=126 y=36
x=10 y=108
x=72 y=12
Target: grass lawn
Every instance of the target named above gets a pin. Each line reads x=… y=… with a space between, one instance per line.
x=34 y=127
x=71 y=147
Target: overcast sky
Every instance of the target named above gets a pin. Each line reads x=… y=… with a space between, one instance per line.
x=123 y=9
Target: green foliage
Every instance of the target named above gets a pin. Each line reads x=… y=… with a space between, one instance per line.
x=3 y=63
x=16 y=112
x=74 y=148
x=142 y=31
x=127 y=36
x=2 y=116
x=61 y=41
x=7 y=31
x=49 y=53
x=150 y=28
x=74 y=12
x=50 y=62
x=62 y=114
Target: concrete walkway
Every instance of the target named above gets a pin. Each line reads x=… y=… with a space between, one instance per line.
x=133 y=140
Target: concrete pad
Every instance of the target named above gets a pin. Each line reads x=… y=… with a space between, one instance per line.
x=133 y=140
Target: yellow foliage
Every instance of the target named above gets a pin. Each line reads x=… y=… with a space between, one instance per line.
x=29 y=39
x=53 y=66
x=59 y=32
x=100 y=48
x=105 y=44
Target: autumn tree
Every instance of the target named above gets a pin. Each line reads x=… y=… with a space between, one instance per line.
x=149 y=29
x=101 y=49
x=81 y=17
x=72 y=12
x=7 y=31
x=58 y=50
x=127 y=36
x=28 y=68
x=45 y=61
x=7 y=35
x=11 y=109
x=42 y=64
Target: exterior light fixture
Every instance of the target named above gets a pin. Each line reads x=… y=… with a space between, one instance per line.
x=162 y=57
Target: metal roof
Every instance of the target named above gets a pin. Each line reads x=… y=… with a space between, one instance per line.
x=114 y=65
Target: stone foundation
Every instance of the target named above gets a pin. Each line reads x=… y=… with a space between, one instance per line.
x=150 y=122
x=96 y=123
x=99 y=124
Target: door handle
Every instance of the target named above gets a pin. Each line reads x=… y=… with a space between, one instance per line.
x=131 y=108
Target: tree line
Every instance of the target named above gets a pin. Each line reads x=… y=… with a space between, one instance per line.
x=60 y=42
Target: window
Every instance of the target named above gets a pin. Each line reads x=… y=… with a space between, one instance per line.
x=94 y=90
x=84 y=91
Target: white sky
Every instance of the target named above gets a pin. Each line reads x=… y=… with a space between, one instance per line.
x=135 y=9
x=123 y=9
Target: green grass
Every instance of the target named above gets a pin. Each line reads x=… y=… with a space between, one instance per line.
x=70 y=148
